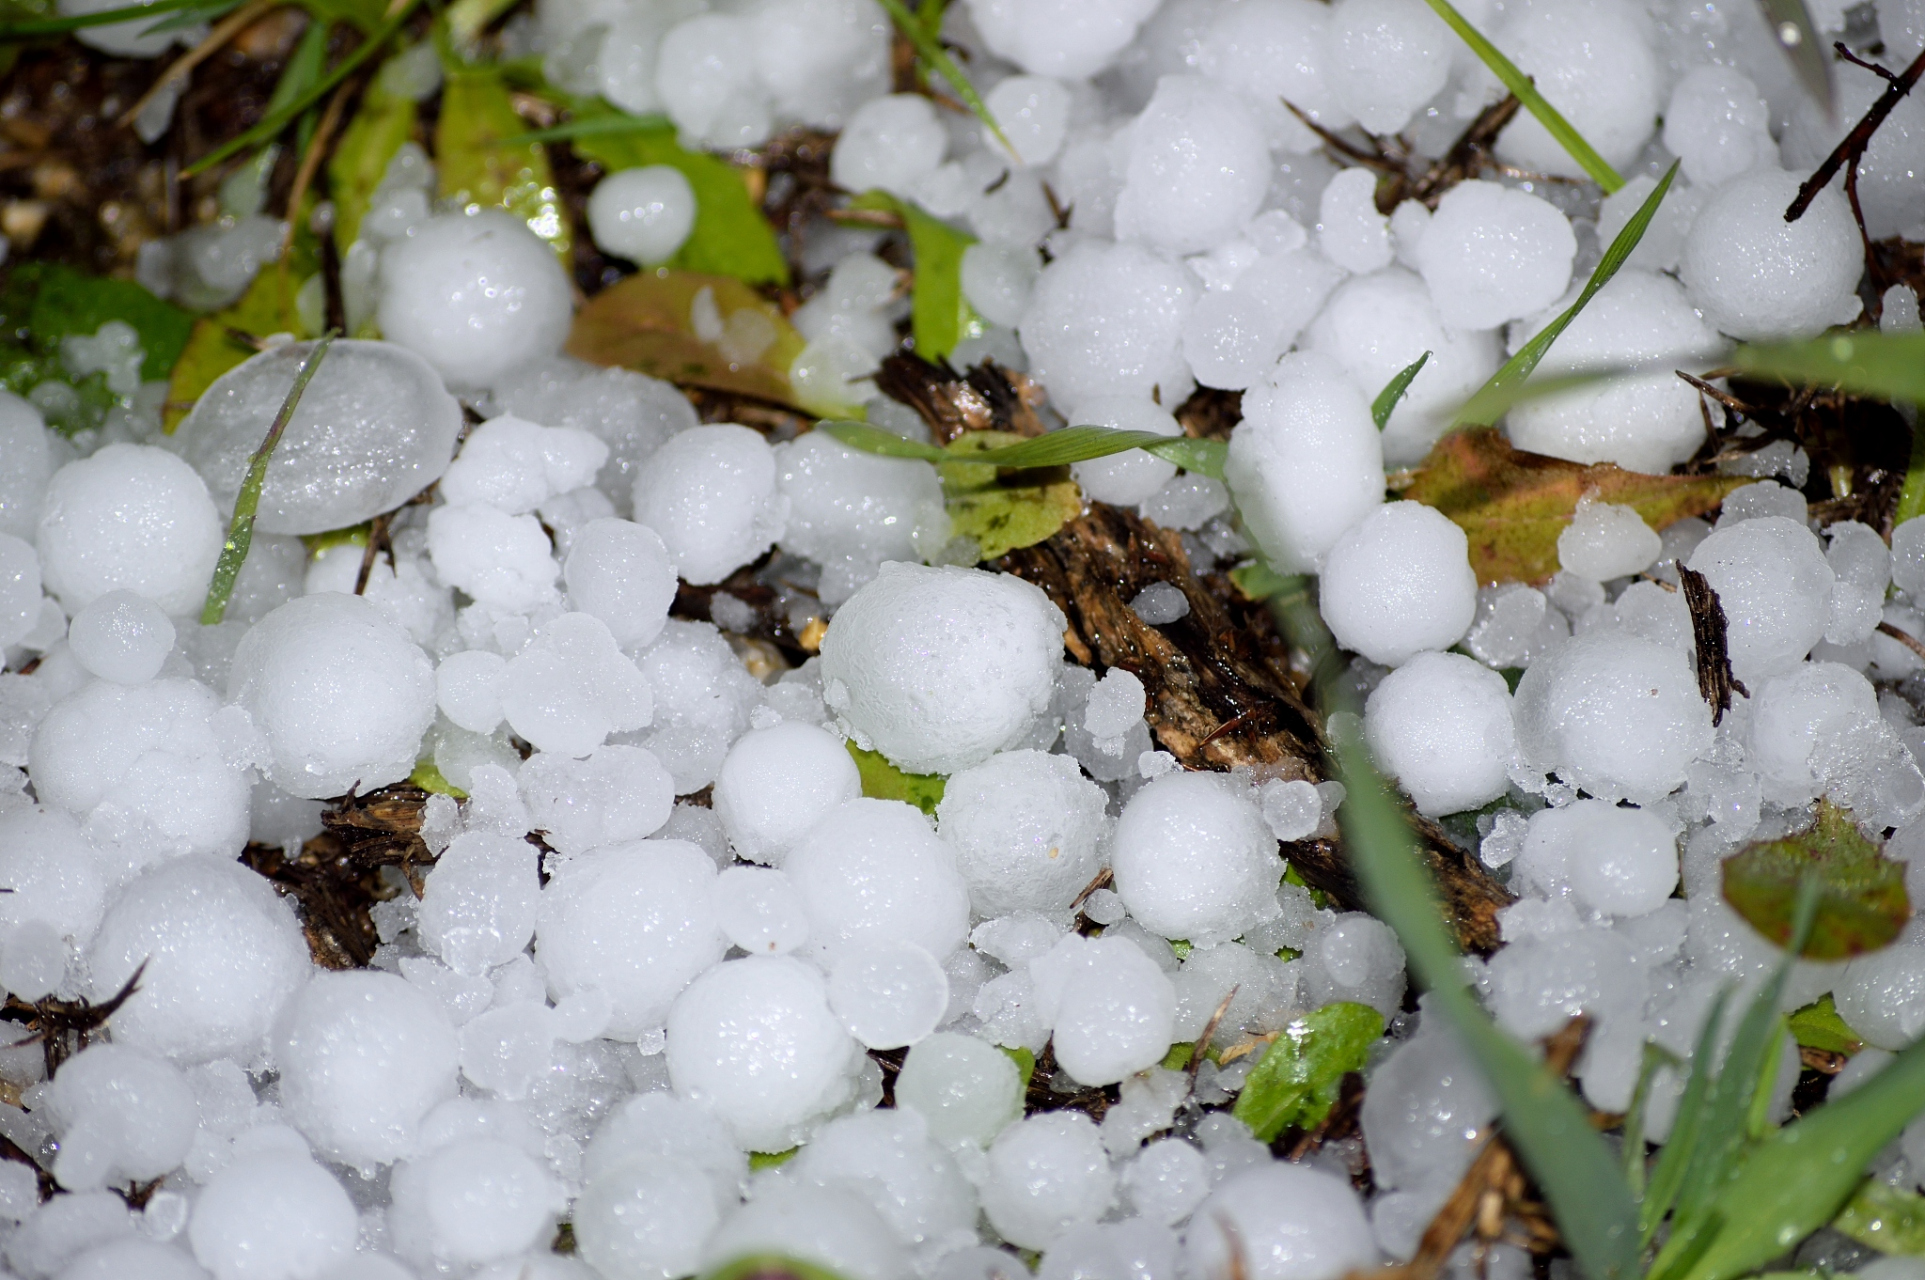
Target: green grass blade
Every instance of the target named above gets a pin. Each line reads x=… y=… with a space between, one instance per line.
x=1911 y=498
x=868 y=439
x=1667 y=1176
x=43 y=27
x=1484 y=408
x=940 y=316
x=1520 y=84
x=192 y=16
x=1887 y=366
x=1056 y=449
x=594 y=126
x=933 y=55
x=240 y=531
x=1655 y=1057
x=1386 y=402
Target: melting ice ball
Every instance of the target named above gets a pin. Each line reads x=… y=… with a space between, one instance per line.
x=643 y=214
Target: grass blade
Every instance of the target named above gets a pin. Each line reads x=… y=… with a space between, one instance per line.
x=1484 y=408
x=40 y=27
x=940 y=316
x=1386 y=402
x=240 y=531
x=192 y=16
x=1667 y=1177
x=1520 y=84
x=1888 y=366
x=1634 y=1161
x=933 y=55
x=1793 y=29
x=868 y=439
x=1056 y=449
x=593 y=126
x=1911 y=498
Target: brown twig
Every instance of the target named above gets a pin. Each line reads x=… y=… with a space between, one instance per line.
x=1724 y=398
x=229 y=27
x=1209 y=1032
x=1852 y=147
x=1349 y=150
x=377 y=534
x=1715 y=681
x=1102 y=879
x=311 y=161
x=1909 y=641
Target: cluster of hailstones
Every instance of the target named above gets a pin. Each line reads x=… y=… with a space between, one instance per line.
x=604 y=1032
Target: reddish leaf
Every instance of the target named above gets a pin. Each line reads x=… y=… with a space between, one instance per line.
x=1862 y=904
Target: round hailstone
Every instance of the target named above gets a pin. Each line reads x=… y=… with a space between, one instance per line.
x=635 y=922
x=474 y=1200
x=272 y=1216
x=833 y=1227
x=474 y=295
x=892 y=143
x=872 y=872
x=1195 y=170
x=1606 y=541
x=673 y=1131
x=1792 y=713
x=53 y=872
x=340 y=693
x=617 y=794
x=754 y=1041
x=1237 y=330
x=710 y=492
x=1883 y=995
x=1027 y=828
x=1073 y=39
x=890 y=1158
x=1398 y=584
x=1034 y=113
x=572 y=686
x=631 y=412
x=1046 y=1174
x=889 y=994
x=478 y=909
x=1107 y=319
x=26 y=464
x=467 y=688
x=1194 y=859
x=1426 y=1110
x=940 y=668
x=139 y=1259
x=997 y=279
x=619 y=571
x=1386 y=59
x=778 y=782
x=122 y=637
x=1592 y=60
x=1441 y=726
x=505 y=562
x=1127 y=478
x=374 y=427
x=642 y=214
x=849 y=511
x=645 y=1219
x=129 y=516
x=218 y=951
x=20 y=590
x=1718 y=125
x=1288 y=1222
x=760 y=910
x=1114 y=1010
x=1760 y=278
x=963 y=1086
x=1775 y=588
x=1350 y=231
x=1493 y=253
x=1613 y=861
x=364 y=1056
x=1276 y=53
x=515 y=465
x=125 y=1115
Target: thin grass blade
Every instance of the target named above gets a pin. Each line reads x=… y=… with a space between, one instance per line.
x=868 y=439
x=1667 y=1176
x=1056 y=449
x=1655 y=1057
x=1797 y=35
x=1911 y=498
x=930 y=50
x=1888 y=366
x=1386 y=402
x=192 y=17
x=595 y=126
x=42 y=27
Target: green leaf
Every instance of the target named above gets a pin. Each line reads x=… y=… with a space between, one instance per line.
x=476 y=114
x=58 y=302
x=1179 y=1056
x=428 y=776
x=1053 y=449
x=1297 y=1079
x=267 y=307
x=39 y=28
x=1520 y=84
x=1888 y=1218
x=929 y=48
x=771 y=1159
x=1911 y=498
x=939 y=315
x=186 y=18
x=1862 y=904
x=1485 y=407
x=883 y=781
x=768 y=1266
x=1025 y=1066
x=1258 y=581
x=1818 y=1026
x=364 y=15
x=1386 y=402
x=1000 y=507
x=382 y=123
x=1865 y=362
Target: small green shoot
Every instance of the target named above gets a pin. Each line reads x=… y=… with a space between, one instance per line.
x=1386 y=402
x=929 y=48
x=1056 y=449
x=240 y=532
x=1297 y=1079
x=1818 y=1026
x=883 y=781
x=939 y=316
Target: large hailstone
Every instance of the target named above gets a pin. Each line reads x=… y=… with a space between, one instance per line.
x=1027 y=828
x=711 y=493
x=1074 y=39
x=1196 y=170
x=1441 y=725
x=1195 y=860
x=1592 y=60
x=1775 y=589
x=133 y=517
x=374 y=427
x=1107 y=319
x=940 y=668
x=1760 y=278
x=872 y=873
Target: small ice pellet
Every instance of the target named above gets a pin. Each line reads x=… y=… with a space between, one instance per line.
x=1760 y=278
x=619 y=572
x=711 y=494
x=20 y=590
x=1493 y=254
x=891 y=1158
x=1275 y=53
x=130 y=516
x=834 y=1227
x=1350 y=231
x=1717 y=124
x=571 y=687
x=1385 y=60
x=136 y=1258
x=1107 y=319
x=1883 y=994
x=121 y=636
x=1027 y=830
x=1861 y=564
x=1613 y=861
x=1233 y=336
x=126 y=1114
x=478 y=909
x=1441 y=726
x=1160 y=603
x=1166 y=1180
x=1293 y=809
x=1116 y=702
x=871 y=871
x=473 y=1200
x=893 y=143
x=1195 y=860
x=1034 y=112
x=276 y=1215
x=778 y=782
x=760 y=910
x=467 y=688
x=1047 y=1173
x=1195 y=171
x=997 y=280
x=617 y=793
x=888 y=995
x=705 y=74
x=1606 y=541
x=1132 y=476
x=1073 y=39
x=660 y=1126
x=966 y=1088
x=514 y=465
x=645 y=1218
x=849 y=511
x=644 y=215
x=1775 y=589
x=505 y=562
x=1399 y=583
x=1290 y=1222
x=1114 y=1009
x=26 y=464
x=1593 y=62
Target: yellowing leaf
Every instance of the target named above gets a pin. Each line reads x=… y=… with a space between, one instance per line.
x=1297 y=1079
x=1862 y=903
x=1003 y=510
x=883 y=781
x=381 y=124
x=1512 y=504
x=702 y=330
x=476 y=116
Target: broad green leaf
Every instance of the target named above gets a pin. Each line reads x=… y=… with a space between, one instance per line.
x=1862 y=903
x=1003 y=509
x=706 y=330
x=428 y=776
x=1025 y=1066
x=883 y=781
x=1386 y=402
x=1054 y=449
x=1818 y=1026
x=1485 y=407
x=1888 y=1218
x=473 y=169
x=771 y=1159
x=929 y=48
x=730 y=236
x=56 y=301
x=1297 y=1079
x=768 y=1266
x=1513 y=504
x=939 y=315
x=382 y=123
x=1179 y=1056
x=1865 y=362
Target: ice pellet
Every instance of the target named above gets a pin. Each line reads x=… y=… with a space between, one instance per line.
x=1196 y=169
x=870 y=872
x=711 y=493
x=1441 y=725
x=1195 y=860
x=642 y=214
x=276 y=1215
x=1069 y=38
x=130 y=517
x=1399 y=583
x=1289 y=1222
x=966 y=1088
x=125 y=1113
x=777 y=783
x=1493 y=254
x=1027 y=829
x=1107 y=319
x=1593 y=62
x=571 y=687
x=1775 y=588
x=121 y=637
x=1605 y=541
x=888 y=994
x=1756 y=276
x=1046 y=1174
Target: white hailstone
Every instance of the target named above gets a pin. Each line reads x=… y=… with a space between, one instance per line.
x=1612 y=861
x=1441 y=725
x=854 y=306
x=1717 y=125
x=1287 y=1222
x=1127 y=478
x=1426 y=1111
x=1111 y=1009
x=515 y=465
x=340 y=694
x=778 y=782
x=1861 y=566
x=833 y=1227
x=275 y=1215
x=133 y=38
x=1799 y=721
x=1195 y=170
x=1107 y=319
x=1276 y=51
x=616 y=794
x=124 y=1115
x=1882 y=996
x=52 y=1233
x=1047 y=1173
x=475 y=1199
x=821 y=58
x=1756 y=276
x=1110 y=1248
x=1355 y=958
x=1492 y=253
x=624 y=67
x=474 y=295
x=872 y=872
x=55 y=879
x=467 y=689
x=705 y=74
x=1605 y=540
x=754 y=1041
x=1027 y=829
x=20 y=590
x=631 y=412
x=26 y=464
x=892 y=143
x=571 y=687
x=1293 y=809
x=1613 y=714
x=478 y=909
x=703 y=698
x=404 y=589
x=1376 y=326
x=940 y=668
x=849 y=511
x=1350 y=231
x=635 y=922
x=136 y=1259
x=642 y=214
x=1305 y=463
x=219 y=954
x=997 y=280
x=645 y=1219
x=1194 y=859
x=364 y=1056
x=1235 y=333
x=890 y=1158
x=711 y=493
x=1642 y=422
x=374 y=427
x=965 y=1088
x=122 y=637
x=1386 y=59
x=1663 y=240
x=1166 y=1181
x=1034 y=113
x=1775 y=588
x=1908 y=558
x=129 y=516
x=1888 y=172
x=888 y=994
x=760 y=910
x=1592 y=60
x=660 y=1126
x=1399 y=583
x=619 y=572
x=1073 y=39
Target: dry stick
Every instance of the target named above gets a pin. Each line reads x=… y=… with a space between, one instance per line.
x=229 y=27
x=1209 y=1033
x=1853 y=146
x=1377 y=160
x=377 y=532
x=1911 y=642
x=311 y=162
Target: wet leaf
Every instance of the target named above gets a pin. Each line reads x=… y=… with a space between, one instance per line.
x=1818 y=1026
x=939 y=315
x=1297 y=1080
x=706 y=330
x=1386 y=402
x=52 y=302
x=1514 y=504
x=1862 y=904
x=1025 y=1066
x=883 y=781
x=1004 y=509
x=382 y=123
x=477 y=115
x=771 y=1159
x=1887 y=1218
x=428 y=776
